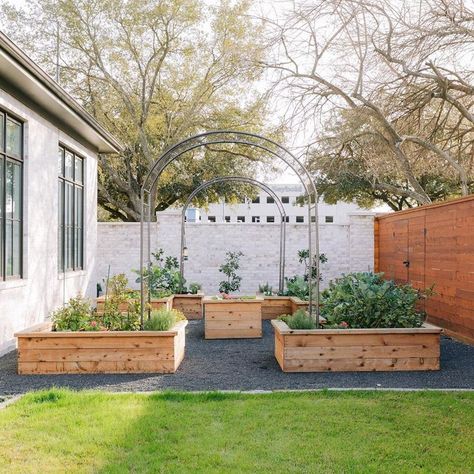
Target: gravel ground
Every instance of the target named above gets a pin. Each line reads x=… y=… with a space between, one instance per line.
x=247 y=364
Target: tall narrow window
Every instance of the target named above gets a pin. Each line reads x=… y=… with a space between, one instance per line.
x=11 y=197
x=71 y=211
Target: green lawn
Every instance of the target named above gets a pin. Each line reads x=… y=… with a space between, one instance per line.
x=62 y=431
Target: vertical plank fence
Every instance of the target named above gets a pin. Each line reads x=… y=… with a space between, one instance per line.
x=433 y=245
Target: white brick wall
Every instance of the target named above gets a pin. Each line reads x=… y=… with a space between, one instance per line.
x=348 y=247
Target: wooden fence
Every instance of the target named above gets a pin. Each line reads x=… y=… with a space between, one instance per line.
x=433 y=245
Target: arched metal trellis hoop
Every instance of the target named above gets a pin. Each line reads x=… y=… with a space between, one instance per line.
x=252 y=140
x=238 y=179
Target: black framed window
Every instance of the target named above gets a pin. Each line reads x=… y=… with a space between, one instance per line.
x=270 y=200
x=285 y=218
x=71 y=210
x=270 y=219
x=256 y=200
x=240 y=218
x=329 y=219
x=211 y=218
x=255 y=219
x=300 y=219
x=227 y=219
x=11 y=197
x=285 y=199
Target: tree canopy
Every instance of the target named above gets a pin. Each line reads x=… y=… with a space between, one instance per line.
x=385 y=91
x=153 y=73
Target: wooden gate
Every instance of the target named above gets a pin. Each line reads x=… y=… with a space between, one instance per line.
x=433 y=245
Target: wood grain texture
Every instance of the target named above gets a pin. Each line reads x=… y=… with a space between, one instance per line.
x=46 y=352
x=189 y=305
x=321 y=350
x=232 y=319
x=439 y=244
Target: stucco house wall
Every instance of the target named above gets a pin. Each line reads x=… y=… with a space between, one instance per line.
x=27 y=301
x=50 y=118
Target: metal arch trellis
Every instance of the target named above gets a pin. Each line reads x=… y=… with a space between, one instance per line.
x=239 y=138
x=224 y=179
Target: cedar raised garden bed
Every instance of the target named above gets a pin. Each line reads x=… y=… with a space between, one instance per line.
x=340 y=350
x=42 y=351
x=274 y=306
x=190 y=305
x=232 y=318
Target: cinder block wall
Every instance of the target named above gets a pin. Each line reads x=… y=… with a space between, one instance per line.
x=347 y=247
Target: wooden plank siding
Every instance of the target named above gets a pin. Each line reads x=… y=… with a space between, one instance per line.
x=439 y=245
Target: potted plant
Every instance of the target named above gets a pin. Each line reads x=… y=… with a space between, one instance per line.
x=80 y=339
x=370 y=324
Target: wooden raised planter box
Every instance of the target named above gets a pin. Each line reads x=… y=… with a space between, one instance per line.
x=232 y=319
x=156 y=303
x=189 y=305
x=42 y=351
x=340 y=350
x=274 y=306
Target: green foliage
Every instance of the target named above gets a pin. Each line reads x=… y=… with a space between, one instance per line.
x=75 y=316
x=300 y=319
x=194 y=288
x=229 y=268
x=297 y=285
x=154 y=72
x=116 y=319
x=163 y=319
x=163 y=276
x=366 y=300
x=265 y=289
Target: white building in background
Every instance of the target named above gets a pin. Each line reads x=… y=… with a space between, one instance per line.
x=48 y=194
x=263 y=210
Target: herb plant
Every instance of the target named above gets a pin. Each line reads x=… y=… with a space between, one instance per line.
x=300 y=319
x=163 y=319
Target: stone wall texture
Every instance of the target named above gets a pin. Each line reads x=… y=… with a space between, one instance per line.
x=348 y=248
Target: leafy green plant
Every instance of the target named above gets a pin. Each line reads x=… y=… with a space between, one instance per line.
x=114 y=318
x=297 y=285
x=265 y=289
x=303 y=257
x=366 y=300
x=162 y=276
x=300 y=319
x=75 y=316
x=229 y=268
x=194 y=288
x=163 y=319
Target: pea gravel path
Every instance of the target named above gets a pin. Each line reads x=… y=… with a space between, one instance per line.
x=247 y=364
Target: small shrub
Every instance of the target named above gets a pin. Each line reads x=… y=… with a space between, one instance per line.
x=194 y=288
x=366 y=300
x=114 y=319
x=163 y=319
x=300 y=319
x=265 y=289
x=229 y=268
x=75 y=316
x=163 y=276
x=297 y=286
